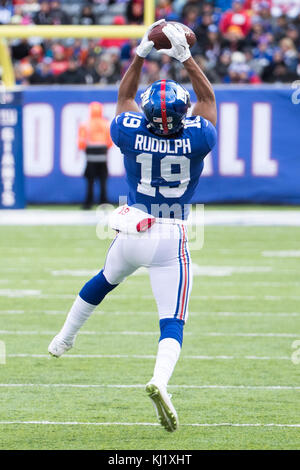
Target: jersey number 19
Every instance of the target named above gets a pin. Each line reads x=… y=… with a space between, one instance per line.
x=183 y=176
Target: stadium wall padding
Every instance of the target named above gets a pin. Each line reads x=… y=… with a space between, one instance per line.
x=12 y=194
x=256 y=159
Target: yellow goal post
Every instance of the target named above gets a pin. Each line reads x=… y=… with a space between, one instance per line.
x=67 y=31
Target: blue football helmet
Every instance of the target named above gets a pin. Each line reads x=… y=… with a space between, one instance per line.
x=165 y=104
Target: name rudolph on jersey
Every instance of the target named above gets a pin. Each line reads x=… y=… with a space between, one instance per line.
x=151 y=144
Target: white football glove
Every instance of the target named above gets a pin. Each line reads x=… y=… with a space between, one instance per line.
x=145 y=47
x=180 y=49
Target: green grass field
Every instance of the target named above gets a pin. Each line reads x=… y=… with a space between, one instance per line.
x=235 y=368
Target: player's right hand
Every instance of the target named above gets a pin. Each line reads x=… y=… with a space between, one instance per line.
x=180 y=49
x=145 y=47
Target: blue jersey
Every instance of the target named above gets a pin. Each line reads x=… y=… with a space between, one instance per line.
x=162 y=172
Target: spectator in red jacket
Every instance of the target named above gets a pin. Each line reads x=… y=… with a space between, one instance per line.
x=236 y=20
x=59 y=64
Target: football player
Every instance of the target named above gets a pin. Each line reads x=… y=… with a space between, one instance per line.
x=163 y=155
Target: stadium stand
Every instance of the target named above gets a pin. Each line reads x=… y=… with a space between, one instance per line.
x=238 y=41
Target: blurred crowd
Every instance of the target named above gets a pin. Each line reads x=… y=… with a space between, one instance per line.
x=238 y=41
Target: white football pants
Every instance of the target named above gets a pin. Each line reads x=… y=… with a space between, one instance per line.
x=163 y=249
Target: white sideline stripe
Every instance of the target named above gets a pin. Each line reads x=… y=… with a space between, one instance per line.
x=205 y=425
x=151 y=333
x=149 y=356
x=196 y=387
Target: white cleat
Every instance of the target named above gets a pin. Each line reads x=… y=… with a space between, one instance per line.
x=164 y=408
x=57 y=346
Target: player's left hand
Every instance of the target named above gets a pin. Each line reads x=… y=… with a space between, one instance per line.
x=145 y=47
x=180 y=49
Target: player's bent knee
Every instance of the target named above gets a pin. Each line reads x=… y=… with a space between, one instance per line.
x=114 y=277
x=96 y=289
x=171 y=328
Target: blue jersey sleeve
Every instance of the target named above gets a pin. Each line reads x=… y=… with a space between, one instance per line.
x=114 y=130
x=210 y=133
x=124 y=126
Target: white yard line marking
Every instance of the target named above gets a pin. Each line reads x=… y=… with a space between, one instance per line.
x=13 y=293
x=255 y=358
x=46 y=312
x=242 y=282
x=42 y=281
x=228 y=297
x=13 y=270
x=130 y=386
x=222 y=314
x=101 y=312
x=37 y=293
x=225 y=314
x=223 y=271
x=205 y=425
x=75 y=273
x=141 y=356
x=211 y=217
x=248 y=314
x=210 y=271
x=57 y=296
x=78 y=423
x=282 y=254
x=238 y=387
x=82 y=423
x=19 y=292
x=92 y=333
x=245 y=297
x=262 y=335
x=150 y=333
x=12 y=312
x=64 y=312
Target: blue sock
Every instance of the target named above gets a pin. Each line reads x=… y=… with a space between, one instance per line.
x=171 y=328
x=96 y=289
